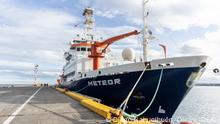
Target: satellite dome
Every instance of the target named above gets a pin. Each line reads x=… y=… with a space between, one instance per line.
x=128 y=54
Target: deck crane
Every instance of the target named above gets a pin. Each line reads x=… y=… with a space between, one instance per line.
x=96 y=54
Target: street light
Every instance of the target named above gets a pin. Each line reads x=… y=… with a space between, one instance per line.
x=35 y=73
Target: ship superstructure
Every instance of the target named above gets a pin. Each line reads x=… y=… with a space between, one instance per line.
x=76 y=58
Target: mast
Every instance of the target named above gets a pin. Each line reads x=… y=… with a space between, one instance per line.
x=89 y=23
x=145 y=30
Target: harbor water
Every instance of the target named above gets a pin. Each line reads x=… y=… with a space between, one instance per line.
x=201 y=105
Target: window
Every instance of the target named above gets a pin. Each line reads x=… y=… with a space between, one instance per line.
x=88 y=49
x=73 y=48
x=83 y=49
x=78 y=49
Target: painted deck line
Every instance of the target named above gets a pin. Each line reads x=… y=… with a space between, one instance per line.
x=13 y=115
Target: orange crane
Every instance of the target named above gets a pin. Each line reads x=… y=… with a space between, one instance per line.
x=96 y=55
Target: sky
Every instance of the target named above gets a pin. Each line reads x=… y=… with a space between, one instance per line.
x=38 y=32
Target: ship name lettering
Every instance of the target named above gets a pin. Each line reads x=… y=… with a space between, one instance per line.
x=104 y=82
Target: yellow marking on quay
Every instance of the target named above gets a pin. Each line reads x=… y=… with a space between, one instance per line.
x=112 y=114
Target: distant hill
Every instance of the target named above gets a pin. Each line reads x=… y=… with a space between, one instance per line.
x=208 y=84
x=15 y=85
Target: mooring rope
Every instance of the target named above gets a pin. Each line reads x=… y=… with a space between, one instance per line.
x=129 y=95
x=124 y=103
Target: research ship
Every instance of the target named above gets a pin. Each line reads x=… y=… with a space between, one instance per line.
x=147 y=88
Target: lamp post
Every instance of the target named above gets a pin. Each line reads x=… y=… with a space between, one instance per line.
x=35 y=73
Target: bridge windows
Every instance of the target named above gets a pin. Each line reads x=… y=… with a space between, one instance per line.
x=83 y=49
x=73 y=48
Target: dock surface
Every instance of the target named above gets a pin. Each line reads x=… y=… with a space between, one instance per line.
x=25 y=105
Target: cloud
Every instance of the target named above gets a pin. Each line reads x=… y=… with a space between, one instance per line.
x=207 y=45
x=18 y=71
x=24 y=66
x=30 y=36
x=108 y=13
x=49 y=55
x=21 y=16
x=172 y=14
x=23 y=77
x=181 y=14
x=188 y=49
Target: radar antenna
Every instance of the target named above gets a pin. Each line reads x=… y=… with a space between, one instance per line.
x=89 y=23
